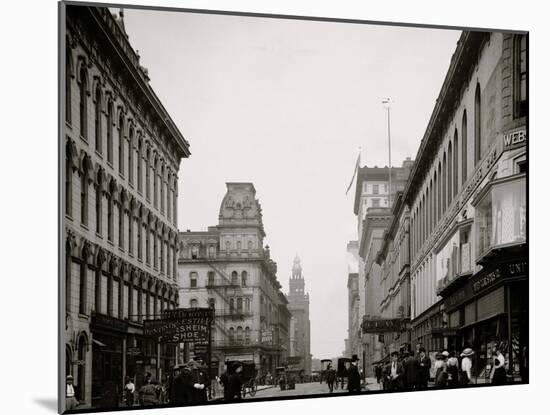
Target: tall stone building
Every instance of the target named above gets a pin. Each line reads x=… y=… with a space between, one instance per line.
x=228 y=268
x=299 y=307
x=121 y=158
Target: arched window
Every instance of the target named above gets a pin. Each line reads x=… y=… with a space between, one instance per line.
x=234 y=278
x=131 y=156
x=231 y=305
x=244 y=277
x=147 y=174
x=110 y=132
x=231 y=334
x=194 y=303
x=247 y=304
x=439 y=192
x=68 y=76
x=83 y=300
x=120 y=226
x=147 y=244
x=455 y=164
x=450 y=175
x=121 y=143
x=161 y=243
x=239 y=334
x=68 y=181
x=193 y=279
x=162 y=189
x=239 y=246
x=110 y=217
x=98 y=203
x=247 y=335
x=84 y=193
x=97 y=120
x=444 y=185
x=227 y=245
x=464 y=147
x=155 y=249
x=139 y=169
x=477 y=125
x=155 y=183
x=435 y=198
x=239 y=305
x=430 y=208
x=139 y=240
x=130 y=233
x=168 y=202
x=520 y=76
x=83 y=102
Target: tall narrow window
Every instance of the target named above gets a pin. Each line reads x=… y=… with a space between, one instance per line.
x=477 y=126
x=139 y=241
x=110 y=218
x=450 y=175
x=121 y=144
x=97 y=120
x=155 y=184
x=139 y=170
x=68 y=182
x=464 y=147
x=439 y=192
x=68 y=76
x=455 y=164
x=155 y=251
x=161 y=253
x=120 y=226
x=84 y=194
x=175 y=201
x=147 y=245
x=83 y=305
x=244 y=277
x=444 y=185
x=168 y=202
x=110 y=132
x=234 y=278
x=131 y=156
x=83 y=105
x=98 y=204
x=435 y=194
x=130 y=233
x=520 y=76
x=147 y=174
x=162 y=189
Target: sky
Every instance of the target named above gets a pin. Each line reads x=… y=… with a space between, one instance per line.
x=286 y=105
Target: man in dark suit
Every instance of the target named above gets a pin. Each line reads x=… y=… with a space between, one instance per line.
x=354 y=377
x=394 y=373
x=410 y=369
x=235 y=384
x=424 y=365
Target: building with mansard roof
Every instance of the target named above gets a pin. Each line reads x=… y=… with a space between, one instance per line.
x=228 y=268
x=121 y=157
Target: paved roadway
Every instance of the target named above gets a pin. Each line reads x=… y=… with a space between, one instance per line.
x=305 y=389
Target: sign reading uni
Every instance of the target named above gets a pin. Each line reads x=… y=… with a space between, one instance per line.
x=385 y=325
x=181 y=325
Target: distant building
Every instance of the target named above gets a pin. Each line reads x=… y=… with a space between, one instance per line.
x=227 y=268
x=298 y=305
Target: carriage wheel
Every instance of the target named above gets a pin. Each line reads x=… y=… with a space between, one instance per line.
x=252 y=388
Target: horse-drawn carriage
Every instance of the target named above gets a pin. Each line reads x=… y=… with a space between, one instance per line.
x=286 y=379
x=248 y=374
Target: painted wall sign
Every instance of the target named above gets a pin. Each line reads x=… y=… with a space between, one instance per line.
x=385 y=325
x=514 y=138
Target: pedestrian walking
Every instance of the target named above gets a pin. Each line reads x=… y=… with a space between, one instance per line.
x=410 y=371
x=441 y=369
x=378 y=373
x=199 y=380
x=424 y=365
x=148 y=392
x=466 y=366
x=129 y=390
x=499 y=371
x=224 y=381
x=235 y=384
x=331 y=378
x=181 y=393
x=394 y=373
x=70 y=398
x=354 y=377
x=452 y=371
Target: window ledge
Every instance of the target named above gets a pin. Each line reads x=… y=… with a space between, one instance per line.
x=98 y=235
x=83 y=225
x=83 y=138
x=84 y=316
x=99 y=153
x=69 y=217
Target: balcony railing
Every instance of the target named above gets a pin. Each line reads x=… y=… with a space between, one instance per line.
x=221 y=283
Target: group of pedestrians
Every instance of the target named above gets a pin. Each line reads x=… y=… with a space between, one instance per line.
x=188 y=383
x=232 y=382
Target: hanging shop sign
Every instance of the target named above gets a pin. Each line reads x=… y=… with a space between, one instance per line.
x=267 y=336
x=378 y=326
x=514 y=138
x=181 y=326
x=107 y=322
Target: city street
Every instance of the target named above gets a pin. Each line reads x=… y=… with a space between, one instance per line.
x=311 y=388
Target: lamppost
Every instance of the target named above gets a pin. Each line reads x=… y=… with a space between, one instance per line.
x=387 y=103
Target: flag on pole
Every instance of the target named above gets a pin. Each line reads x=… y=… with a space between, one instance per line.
x=354 y=171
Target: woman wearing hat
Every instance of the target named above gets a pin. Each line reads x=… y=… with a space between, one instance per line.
x=499 y=372
x=466 y=366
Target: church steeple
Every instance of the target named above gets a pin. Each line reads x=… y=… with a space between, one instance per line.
x=297 y=283
x=297 y=268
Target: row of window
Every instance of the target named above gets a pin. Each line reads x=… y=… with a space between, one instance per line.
x=236 y=305
x=211 y=279
x=153 y=169
x=147 y=238
x=444 y=183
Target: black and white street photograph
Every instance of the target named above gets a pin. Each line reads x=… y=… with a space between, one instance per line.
x=265 y=207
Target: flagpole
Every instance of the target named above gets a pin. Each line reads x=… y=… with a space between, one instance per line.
x=386 y=103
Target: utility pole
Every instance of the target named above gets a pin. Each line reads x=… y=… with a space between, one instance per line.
x=387 y=103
